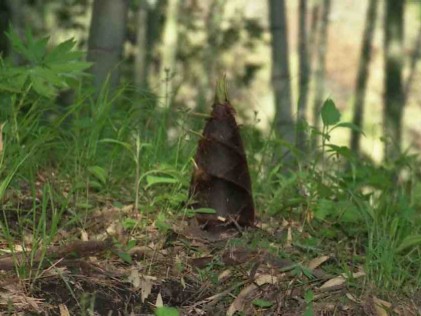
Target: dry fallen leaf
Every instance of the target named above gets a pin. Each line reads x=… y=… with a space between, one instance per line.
x=339 y=280
x=142 y=282
x=134 y=278
x=265 y=279
x=240 y=301
x=243 y=298
x=84 y=235
x=127 y=208
x=333 y=282
x=224 y=275
x=64 y=311
x=381 y=306
x=316 y=262
x=14 y=294
x=146 y=288
x=355 y=275
x=352 y=298
x=289 y=238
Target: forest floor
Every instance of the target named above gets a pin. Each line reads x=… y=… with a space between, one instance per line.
x=264 y=270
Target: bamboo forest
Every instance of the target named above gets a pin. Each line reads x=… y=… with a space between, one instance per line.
x=187 y=157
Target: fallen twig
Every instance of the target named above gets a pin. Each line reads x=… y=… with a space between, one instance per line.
x=77 y=249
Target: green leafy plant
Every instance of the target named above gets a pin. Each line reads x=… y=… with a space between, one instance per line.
x=331 y=120
x=135 y=151
x=166 y=311
x=308 y=299
x=28 y=92
x=262 y=303
x=47 y=70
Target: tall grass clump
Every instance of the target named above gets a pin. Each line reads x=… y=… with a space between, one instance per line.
x=346 y=202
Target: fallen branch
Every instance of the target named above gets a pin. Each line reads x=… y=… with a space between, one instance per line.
x=77 y=249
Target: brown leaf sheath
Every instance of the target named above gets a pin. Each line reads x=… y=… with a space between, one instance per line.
x=221 y=179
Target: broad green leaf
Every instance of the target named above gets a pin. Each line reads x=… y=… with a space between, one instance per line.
x=50 y=77
x=262 y=303
x=131 y=243
x=42 y=88
x=125 y=257
x=99 y=173
x=153 y=180
x=13 y=78
x=62 y=52
x=18 y=46
x=69 y=68
x=340 y=150
x=39 y=49
x=309 y=311
x=308 y=296
x=205 y=210
x=330 y=114
x=166 y=311
x=51 y=70
x=95 y=184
